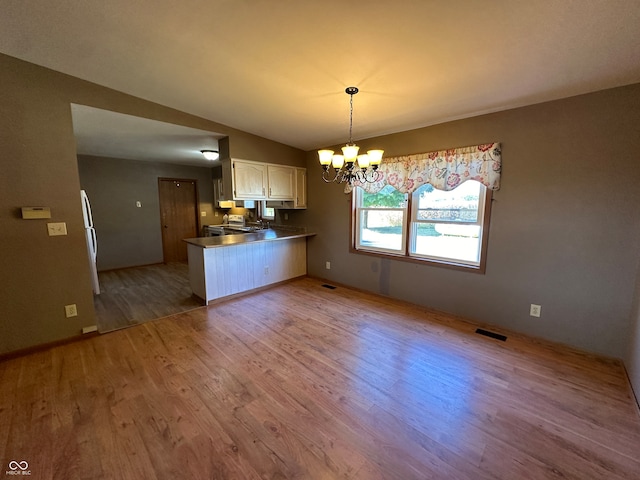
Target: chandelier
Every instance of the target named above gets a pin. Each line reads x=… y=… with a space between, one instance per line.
x=351 y=167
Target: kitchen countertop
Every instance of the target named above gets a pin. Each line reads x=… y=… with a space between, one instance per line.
x=266 y=235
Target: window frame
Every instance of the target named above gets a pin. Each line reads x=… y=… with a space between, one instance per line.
x=403 y=242
x=263 y=211
x=410 y=214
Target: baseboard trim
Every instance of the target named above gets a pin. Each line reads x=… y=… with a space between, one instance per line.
x=45 y=346
x=631 y=389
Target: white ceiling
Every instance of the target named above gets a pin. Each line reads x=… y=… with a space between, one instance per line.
x=116 y=135
x=278 y=68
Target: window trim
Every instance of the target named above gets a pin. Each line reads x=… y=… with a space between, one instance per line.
x=406 y=257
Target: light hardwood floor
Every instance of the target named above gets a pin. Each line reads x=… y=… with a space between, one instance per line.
x=303 y=382
x=130 y=296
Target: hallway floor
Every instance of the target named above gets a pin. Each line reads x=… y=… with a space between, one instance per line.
x=131 y=296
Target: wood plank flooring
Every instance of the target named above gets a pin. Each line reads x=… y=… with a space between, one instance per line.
x=130 y=296
x=303 y=382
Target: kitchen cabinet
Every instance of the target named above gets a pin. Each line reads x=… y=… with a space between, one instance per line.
x=300 y=200
x=221 y=200
x=229 y=269
x=281 y=182
x=283 y=186
x=249 y=180
x=299 y=197
x=242 y=180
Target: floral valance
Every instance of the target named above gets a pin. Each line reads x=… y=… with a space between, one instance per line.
x=445 y=169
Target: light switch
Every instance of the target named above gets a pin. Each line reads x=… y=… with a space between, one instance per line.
x=203 y=214
x=59 y=228
x=138 y=204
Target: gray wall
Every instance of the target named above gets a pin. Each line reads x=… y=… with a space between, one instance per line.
x=565 y=226
x=127 y=235
x=39 y=274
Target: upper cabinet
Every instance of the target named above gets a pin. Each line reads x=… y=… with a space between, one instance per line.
x=300 y=200
x=243 y=180
x=285 y=185
x=249 y=179
x=281 y=182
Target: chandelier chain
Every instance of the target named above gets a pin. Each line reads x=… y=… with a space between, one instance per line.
x=351 y=119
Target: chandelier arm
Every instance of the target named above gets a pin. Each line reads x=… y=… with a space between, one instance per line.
x=329 y=179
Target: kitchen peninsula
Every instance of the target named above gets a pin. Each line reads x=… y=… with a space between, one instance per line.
x=231 y=264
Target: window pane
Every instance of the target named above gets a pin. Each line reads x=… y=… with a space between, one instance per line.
x=388 y=197
x=459 y=205
x=269 y=212
x=448 y=241
x=381 y=229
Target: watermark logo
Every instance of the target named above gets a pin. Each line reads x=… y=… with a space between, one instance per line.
x=18 y=468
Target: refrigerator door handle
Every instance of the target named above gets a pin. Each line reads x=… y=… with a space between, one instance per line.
x=94 y=241
x=87 y=205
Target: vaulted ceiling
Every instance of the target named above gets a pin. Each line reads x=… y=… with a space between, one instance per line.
x=278 y=68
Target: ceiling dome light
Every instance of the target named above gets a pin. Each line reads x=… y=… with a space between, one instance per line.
x=210 y=154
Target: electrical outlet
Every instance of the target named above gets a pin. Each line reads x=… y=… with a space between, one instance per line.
x=535 y=310
x=58 y=228
x=327 y=265
x=266 y=270
x=203 y=214
x=71 y=310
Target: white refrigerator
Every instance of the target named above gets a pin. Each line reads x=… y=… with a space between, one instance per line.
x=92 y=241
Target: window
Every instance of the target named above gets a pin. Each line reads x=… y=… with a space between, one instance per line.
x=267 y=213
x=447 y=226
x=381 y=218
x=430 y=225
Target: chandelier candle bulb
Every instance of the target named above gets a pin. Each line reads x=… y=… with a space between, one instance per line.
x=363 y=161
x=325 y=157
x=350 y=152
x=375 y=157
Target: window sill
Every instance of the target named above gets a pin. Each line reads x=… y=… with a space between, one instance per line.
x=480 y=269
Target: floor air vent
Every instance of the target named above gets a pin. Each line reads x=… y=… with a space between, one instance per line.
x=487 y=333
x=330 y=287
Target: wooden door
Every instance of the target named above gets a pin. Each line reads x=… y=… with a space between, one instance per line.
x=179 y=216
